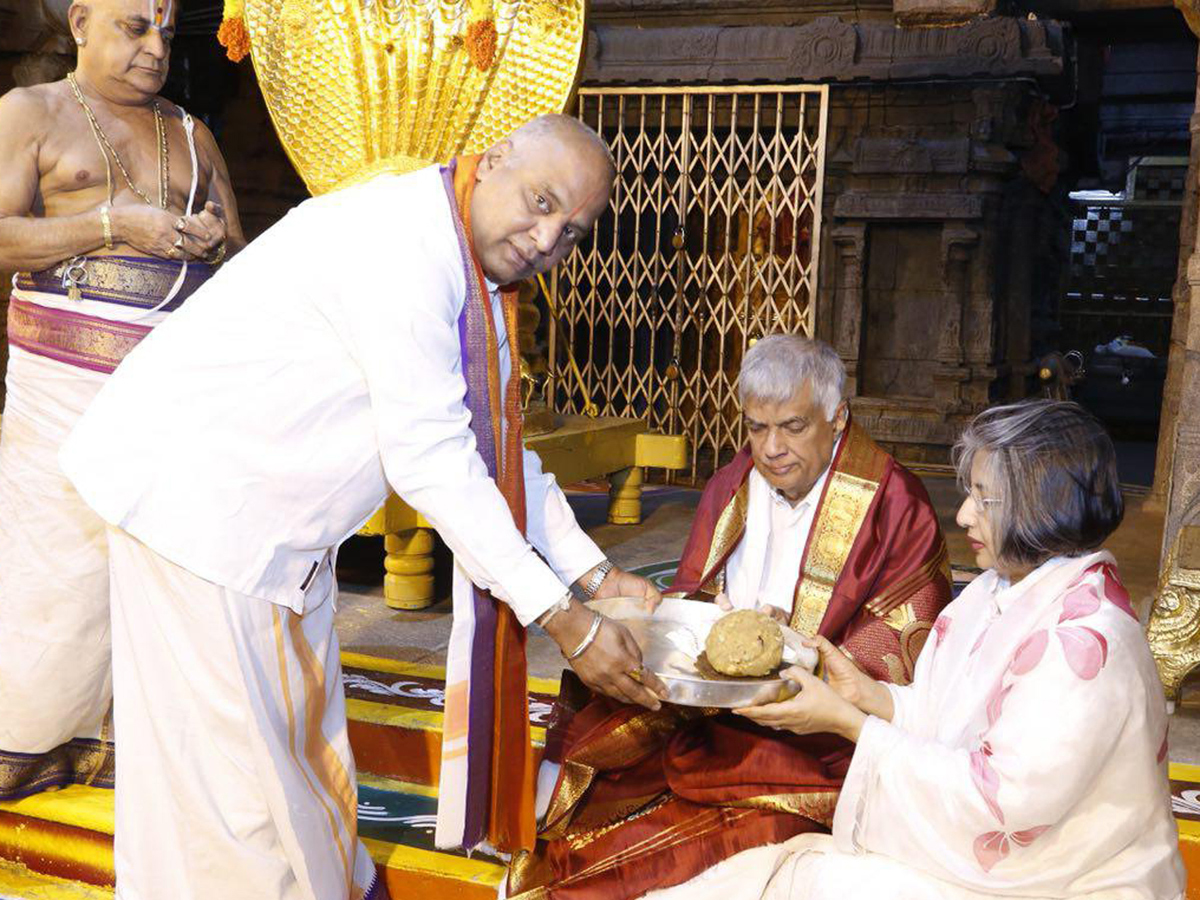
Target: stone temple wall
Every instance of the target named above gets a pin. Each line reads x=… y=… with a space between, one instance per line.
x=941 y=204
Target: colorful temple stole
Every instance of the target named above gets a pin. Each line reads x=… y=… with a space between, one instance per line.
x=853 y=482
x=486 y=719
x=92 y=342
x=86 y=342
x=855 y=476
x=137 y=281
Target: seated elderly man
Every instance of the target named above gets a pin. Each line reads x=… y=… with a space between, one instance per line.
x=813 y=521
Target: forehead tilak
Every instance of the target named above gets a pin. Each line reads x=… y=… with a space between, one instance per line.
x=159 y=12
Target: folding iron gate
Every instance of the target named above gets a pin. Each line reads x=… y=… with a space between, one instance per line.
x=711 y=241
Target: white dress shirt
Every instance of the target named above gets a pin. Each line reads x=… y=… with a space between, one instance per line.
x=261 y=425
x=765 y=565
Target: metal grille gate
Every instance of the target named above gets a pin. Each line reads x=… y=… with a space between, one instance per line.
x=711 y=240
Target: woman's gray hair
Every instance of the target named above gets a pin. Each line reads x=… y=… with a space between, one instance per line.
x=1053 y=470
x=775 y=369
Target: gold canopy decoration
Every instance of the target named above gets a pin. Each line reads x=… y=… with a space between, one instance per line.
x=360 y=87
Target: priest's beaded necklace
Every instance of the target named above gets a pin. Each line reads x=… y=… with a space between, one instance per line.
x=107 y=149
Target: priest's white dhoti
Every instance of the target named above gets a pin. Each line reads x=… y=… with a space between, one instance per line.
x=69 y=327
x=54 y=638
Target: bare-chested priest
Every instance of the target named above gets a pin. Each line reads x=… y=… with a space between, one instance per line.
x=115 y=205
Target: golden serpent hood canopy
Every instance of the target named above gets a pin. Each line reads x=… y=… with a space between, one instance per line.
x=359 y=87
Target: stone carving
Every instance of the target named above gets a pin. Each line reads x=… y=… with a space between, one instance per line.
x=958 y=242
x=941 y=12
x=895 y=425
x=850 y=243
x=826 y=49
x=911 y=156
x=991 y=40
x=823 y=47
x=863 y=205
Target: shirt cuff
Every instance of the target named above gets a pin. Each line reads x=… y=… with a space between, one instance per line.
x=899 y=703
x=534 y=589
x=574 y=555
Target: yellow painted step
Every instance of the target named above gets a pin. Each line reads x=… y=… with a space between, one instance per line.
x=61 y=840
x=20 y=883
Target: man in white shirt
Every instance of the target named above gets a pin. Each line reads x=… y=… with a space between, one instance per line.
x=812 y=523
x=361 y=342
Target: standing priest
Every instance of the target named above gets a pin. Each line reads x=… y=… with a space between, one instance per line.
x=811 y=522
x=363 y=341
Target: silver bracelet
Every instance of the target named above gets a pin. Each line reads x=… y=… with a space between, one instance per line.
x=597 y=579
x=560 y=605
x=589 y=638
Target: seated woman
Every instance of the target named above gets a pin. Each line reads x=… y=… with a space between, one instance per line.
x=1028 y=756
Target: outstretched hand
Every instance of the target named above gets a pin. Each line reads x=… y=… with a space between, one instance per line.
x=817 y=708
x=850 y=682
x=612 y=663
x=613 y=666
x=619 y=583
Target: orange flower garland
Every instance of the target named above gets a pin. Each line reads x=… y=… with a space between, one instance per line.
x=481 y=43
x=232 y=34
x=480 y=37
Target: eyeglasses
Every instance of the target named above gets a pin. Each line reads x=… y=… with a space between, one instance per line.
x=979 y=500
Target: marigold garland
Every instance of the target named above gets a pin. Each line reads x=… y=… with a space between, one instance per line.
x=479 y=38
x=480 y=41
x=232 y=34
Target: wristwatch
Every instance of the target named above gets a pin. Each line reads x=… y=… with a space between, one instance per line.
x=597 y=579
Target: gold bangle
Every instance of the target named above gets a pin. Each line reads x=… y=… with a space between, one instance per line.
x=220 y=256
x=106 y=222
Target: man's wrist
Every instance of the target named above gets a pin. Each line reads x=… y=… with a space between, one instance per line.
x=106 y=226
x=218 y=256
x=116 y=224
x=569 y=626
x=590 y=583
x=561 y=605
x=876 y=700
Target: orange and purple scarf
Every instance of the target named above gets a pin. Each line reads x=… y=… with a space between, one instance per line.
x=486 y=724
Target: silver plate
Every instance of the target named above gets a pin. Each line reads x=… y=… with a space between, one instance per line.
x=673 y=636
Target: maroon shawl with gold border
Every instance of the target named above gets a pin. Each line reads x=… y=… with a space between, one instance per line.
x=647 y=800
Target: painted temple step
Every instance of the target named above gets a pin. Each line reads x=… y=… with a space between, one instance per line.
x=58 y=844
x=395 y=715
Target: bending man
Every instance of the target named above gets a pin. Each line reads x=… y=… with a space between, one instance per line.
x=811 y=522
x=114 y=206
x=363 y=341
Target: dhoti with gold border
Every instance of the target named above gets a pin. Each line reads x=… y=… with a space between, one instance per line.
x=66 y=335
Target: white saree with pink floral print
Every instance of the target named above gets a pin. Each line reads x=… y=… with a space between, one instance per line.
x=1028 y=758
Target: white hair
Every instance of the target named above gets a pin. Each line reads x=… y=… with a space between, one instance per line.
x=777 y=367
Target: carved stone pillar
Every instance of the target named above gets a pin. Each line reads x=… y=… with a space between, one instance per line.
x=1181 y=296
x=958 y=244
x=849 y=242
x=1174 y=628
